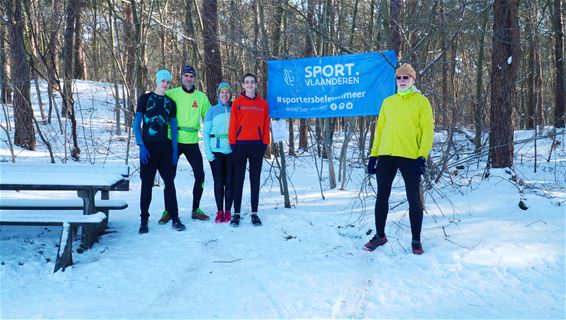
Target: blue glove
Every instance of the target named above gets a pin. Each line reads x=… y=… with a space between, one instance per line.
x=175 y=156
x=419 y=166
x=372 y=165
x=233 y=147
x=144 y=154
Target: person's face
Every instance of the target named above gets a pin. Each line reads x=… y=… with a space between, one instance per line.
x=225 y=96
x=188 y=80
x=164 y=84
x=404 y=82
x=249 y=84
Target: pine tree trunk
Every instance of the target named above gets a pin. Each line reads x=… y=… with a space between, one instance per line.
x=505 y=63
x=6 y=96
x=141 y=67
x=190 y=46
x=130 y=68
x=79 y=54
x=291 y=138
x=533 y=109
x=559 y=112
x=71 y=12
x=24 y=135
x=303 y=134
x=395 y=26
x=111 y=28
x=212 y=59
x=309 y=52
x=479 y=99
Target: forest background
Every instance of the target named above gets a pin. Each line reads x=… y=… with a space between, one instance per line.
x=488 y=67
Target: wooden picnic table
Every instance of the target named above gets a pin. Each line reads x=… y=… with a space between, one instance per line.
x=86 y=180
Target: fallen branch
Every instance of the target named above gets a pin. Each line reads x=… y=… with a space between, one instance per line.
x=226 y=261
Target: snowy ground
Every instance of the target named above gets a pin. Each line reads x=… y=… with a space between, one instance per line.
x=485 y=257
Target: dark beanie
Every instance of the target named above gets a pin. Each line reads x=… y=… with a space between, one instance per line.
x=189 y=69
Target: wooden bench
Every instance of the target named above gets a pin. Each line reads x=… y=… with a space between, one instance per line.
x=68 y=222
x=60 y=204
x=64 y=204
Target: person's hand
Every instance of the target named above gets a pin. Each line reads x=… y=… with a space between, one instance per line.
x=210 y=156
x=233 y=147
x=175 y=155
x=419 y=166
x=263 y=148
x=372 y=165
x=144 y=154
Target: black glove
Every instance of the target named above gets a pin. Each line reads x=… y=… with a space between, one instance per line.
x=419 y=166
x=372 y=165
x=263 y=147
x=233 y=147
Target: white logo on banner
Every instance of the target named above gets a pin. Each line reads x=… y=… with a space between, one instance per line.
x=289 y=79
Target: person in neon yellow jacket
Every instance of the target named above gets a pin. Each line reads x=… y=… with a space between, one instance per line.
x=192 y=106
x=403 y=138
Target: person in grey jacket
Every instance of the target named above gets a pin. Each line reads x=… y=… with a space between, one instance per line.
x=218 y=151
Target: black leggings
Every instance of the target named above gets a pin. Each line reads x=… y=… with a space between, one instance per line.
x=222 y=172
x=386 y=170
x=193 y=155
x=243 y=153
x=159 y=160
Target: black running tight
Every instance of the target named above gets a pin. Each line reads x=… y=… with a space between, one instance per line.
x=222 y=172
x=387 y=167
x=244 y=153
x=193 y=155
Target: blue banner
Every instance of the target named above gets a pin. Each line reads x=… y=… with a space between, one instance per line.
x=324 y=87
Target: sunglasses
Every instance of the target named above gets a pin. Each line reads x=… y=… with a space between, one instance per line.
x=403 y=77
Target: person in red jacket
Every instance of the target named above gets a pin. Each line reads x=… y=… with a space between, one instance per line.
x=248 y=135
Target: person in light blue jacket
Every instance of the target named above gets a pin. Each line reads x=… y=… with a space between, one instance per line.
x=218 y=151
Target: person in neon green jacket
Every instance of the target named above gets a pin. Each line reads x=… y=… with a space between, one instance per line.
x=192 y=106
x=403 y=138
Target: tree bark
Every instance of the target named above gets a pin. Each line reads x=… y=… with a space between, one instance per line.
x=54 y=28
x=309 y=52
x=479 y=99
x=506 y=57
x=24 y=135
x=79 y=54
x=395 y=26
x=130 y=65
x=190 y=47
x=212 y=59
x=6 y=96
x=327 y=149
x=71 y=12
x=559 y=112
x=111 y=29
x=534 y=114
x=140 y=45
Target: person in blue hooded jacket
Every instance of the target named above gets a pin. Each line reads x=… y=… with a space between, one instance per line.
x=218 y=151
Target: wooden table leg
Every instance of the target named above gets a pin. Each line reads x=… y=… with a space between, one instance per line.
x=90 y=233
x=65 y=251
x=104 y=195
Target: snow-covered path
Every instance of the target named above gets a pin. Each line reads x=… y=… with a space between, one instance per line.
x=304 y=262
